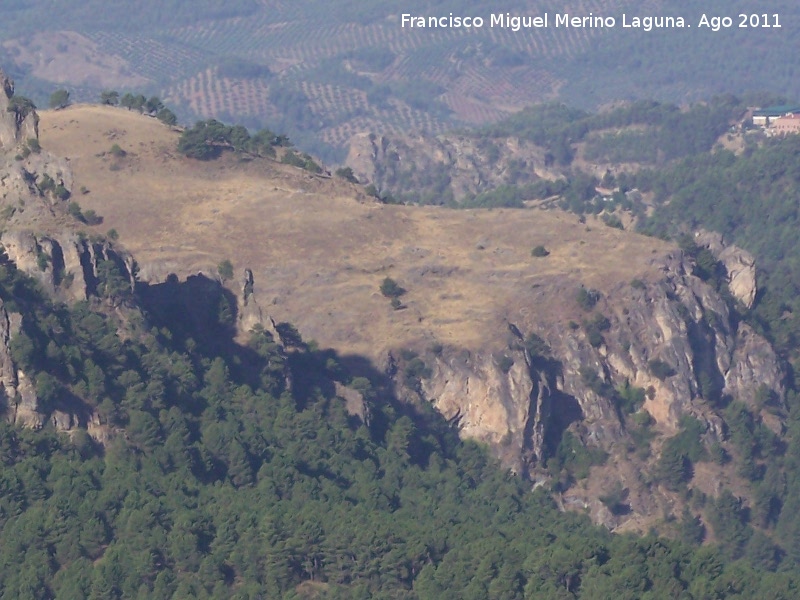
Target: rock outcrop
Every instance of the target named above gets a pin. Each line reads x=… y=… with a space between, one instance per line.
x=67 y=265
x=68 y=268
x=19 y=124
x=674 y=338
x=740 y=266
x=21 y=402
x=445 y=167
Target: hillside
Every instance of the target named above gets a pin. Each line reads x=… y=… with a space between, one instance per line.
x=319 y=249
x=145 y=454
x=589 y=366
x=163 y=436
x=326 y=73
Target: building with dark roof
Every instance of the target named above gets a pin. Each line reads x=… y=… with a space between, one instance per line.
x=764 y=116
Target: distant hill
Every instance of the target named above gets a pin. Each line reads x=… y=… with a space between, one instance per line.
x=324 y=72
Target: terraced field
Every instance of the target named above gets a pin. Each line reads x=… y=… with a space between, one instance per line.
x=208 y=95
x=343 y=67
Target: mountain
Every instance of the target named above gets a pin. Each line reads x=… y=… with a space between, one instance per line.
x=586 y=364
x=165 y=436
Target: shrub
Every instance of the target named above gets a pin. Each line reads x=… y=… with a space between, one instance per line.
x=600 y=322
x=225 y=270
x=304 y=161
x=92 y=218
x=660 y=369
x=289 y=335
x=630 y=398
x=408 y=354
x=117 y=151
x=416 y=370
x=505 y=363
x=594 y=327
x=74 y=209
x=613 y=221
x=595 y=338
x=42 y=260
x=167 y=117
x=89 y=217
x=673 y=468
x=109 y=97
x=536 y=346
x=20 y=106
x=59 y=99
x=638 y=284
x=539 y=251
x=202 y=141
x=347 y=174
x=592 y=380
x=153 y=105
x=390 y=288
x=615 y=499
x=587 y=299
x=575 y=457
x=47 y=184
x=61 y=192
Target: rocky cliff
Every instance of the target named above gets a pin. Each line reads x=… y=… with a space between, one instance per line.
x=673 y=339
x=69 y=268
x=444 y=168
x=596 y=351
x=739 y=265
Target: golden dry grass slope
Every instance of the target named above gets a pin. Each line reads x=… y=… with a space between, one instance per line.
x=319 y=249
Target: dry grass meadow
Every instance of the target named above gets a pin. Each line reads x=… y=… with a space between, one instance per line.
x=319 y=248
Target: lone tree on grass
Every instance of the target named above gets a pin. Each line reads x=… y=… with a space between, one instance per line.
x=109 y=97
x=539 y=252
x=225 y=270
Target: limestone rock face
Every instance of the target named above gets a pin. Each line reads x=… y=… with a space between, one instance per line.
x=470 y=167
x=492 y=404
x=739 y=264
x=355 y=403
x=15 y=126
x=20 y=395
x=521 y=405
x=66 y=265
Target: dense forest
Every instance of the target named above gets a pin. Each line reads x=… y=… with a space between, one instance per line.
x=752 y=200
x=236 y=472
